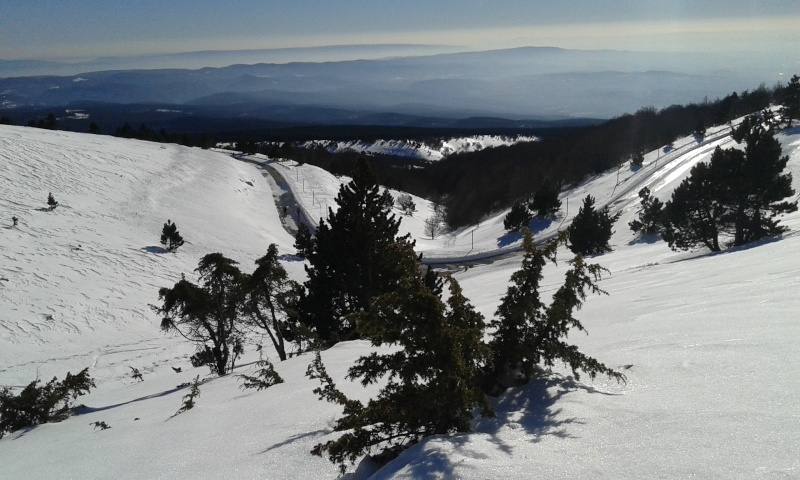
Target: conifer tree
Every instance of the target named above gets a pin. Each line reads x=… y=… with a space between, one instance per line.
x=739 y=193
x=267 y=296
x=591 y=229
x=51 y=201
x=637 y=158
x=756 y=187
x=303 y=241
x=545 y=200
x=432 y=383
x=170 y=236
x=791 y=108
x=264 y=377
x=37 y=404
x=517 y=218
x=693 y=215
x=651 y=215
x=528 y=333
x=207 y=314
x=351 y=263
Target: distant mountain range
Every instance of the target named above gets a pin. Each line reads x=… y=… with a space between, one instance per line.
x=541 y=84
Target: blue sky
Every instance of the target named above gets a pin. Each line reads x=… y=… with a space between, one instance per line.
x=59 y=29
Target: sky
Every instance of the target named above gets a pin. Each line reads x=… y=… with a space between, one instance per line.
x=59 y=30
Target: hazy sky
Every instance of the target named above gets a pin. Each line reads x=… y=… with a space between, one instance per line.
x=81 y=28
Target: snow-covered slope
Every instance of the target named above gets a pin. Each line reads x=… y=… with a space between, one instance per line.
x=421 y=150
x=707 y=341
x=77 y=281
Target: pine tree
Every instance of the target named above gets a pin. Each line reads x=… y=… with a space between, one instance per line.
x=170 y=236
x=528 y=333
x=739 y=193
x=651 y=215
x=303 y=241
x=545 y=200
x=267 y=296
x=637 y=159
x=517 y=218
x=693 y=215
x=37 y=404
x=188 y=399
x=432 y=383
x=591 y=229
x=351 y=263
x=265 y=377
x=756 y=187
x=51 y=201
x=791 y=108
x=207 y=314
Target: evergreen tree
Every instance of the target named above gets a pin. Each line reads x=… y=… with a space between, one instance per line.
x=267 y=294
x=265 y=377
x=37 y=404
x=637 y=158
x=791 y=108
x=188 y=399
x=303 y=241
x=739 y=193
x=351 y=263
x=651 y=215
x=207 y=314
x=170 y=236
x=432 y=383
x=51 y=201
x=591 y=229
x=700 y=129
x=755 y=186
x=528 y=333
x=694 y=215
x=517 y=218
x=545 y=200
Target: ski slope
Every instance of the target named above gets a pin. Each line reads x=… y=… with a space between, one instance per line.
x=707 y=341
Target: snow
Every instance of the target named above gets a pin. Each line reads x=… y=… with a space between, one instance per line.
x=429 y=151
x=707 y=341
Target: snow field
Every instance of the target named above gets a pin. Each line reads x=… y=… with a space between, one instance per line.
x=707 y=342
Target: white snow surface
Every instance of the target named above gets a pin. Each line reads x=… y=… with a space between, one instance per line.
x=707 y=341
x=430 y=151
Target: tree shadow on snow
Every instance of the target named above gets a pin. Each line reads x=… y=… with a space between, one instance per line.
x=508 y=239
x=434 y=464
x=648 y=238
x=154 y=249
x=83 y=410
x=537 y=224
x=299 y=436
x=532 y=408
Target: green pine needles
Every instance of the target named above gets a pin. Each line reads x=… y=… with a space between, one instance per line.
x=444 y=371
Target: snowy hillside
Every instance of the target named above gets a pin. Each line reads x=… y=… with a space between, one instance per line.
x=707 y=342
x=421 y=150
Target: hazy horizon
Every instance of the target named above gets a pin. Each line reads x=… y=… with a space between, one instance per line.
x=39 y=30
